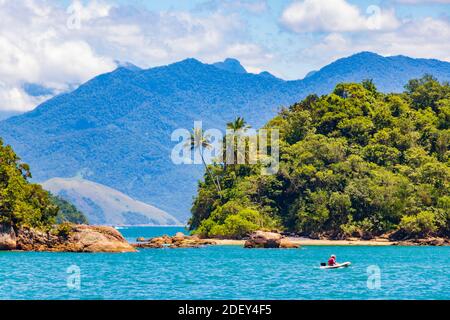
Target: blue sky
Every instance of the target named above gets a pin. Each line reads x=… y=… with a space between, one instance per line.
x=59 y=44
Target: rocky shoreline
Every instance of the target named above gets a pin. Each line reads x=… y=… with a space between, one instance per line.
x=274 y=240
x=178 y=241
x=258 y=239
x=434 y=242
x=261 y=239
x=91 y=239
x=349 y=242
x=269 y=240
x=74 y=238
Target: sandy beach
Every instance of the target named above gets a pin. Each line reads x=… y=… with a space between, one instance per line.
x=313 y=242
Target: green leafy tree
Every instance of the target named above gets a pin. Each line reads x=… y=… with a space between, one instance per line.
x=356 y=162
x=239 y=124
x=21 y=202
x=67 y=212
x=239 y=128
x=420 y=225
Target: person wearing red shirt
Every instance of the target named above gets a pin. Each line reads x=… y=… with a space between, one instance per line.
x=332 y=261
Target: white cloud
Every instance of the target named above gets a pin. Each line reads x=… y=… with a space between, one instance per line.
x=422 y=1
x=17 y=99
x=327 y=38
x=57 y=47
x=423 y=38
x=335 y=16
x=251 y=6
x=254 y=6
x=37 y=47
x=250 y=55
x=89 y=11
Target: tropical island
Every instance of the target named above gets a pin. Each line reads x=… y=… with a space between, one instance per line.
x=353 y=163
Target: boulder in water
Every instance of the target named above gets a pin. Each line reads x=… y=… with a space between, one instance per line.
x=263 y=239
x=178 y=241
x=287 y=244
x=78 y=238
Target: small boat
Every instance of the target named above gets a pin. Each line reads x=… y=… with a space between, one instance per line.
x=336 y=266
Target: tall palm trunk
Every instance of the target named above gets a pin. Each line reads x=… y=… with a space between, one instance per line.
x=216 y=183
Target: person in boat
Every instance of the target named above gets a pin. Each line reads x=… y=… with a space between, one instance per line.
x=332 y=261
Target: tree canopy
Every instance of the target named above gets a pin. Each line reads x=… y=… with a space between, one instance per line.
x=355 y=162
x=67 y=211
x=23 y=203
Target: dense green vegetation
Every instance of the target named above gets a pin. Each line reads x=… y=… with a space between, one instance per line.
x=67 y=211
x=355 y=162
x=23 y=203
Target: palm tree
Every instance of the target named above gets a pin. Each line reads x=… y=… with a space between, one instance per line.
x=198 y=141
x=239 y=126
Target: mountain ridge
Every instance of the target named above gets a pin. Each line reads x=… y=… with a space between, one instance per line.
x=117 y=126
x=231 y=65
x=105 y=206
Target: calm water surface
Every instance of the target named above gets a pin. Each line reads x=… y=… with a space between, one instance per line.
x=226 y=273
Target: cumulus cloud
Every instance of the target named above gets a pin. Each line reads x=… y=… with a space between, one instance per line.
x=422 y=38
x=37 y=47
x=341 y=29
x=335 y=16
x=422 y=1
x=17 y=99
x=43 y=42
x=251 y=6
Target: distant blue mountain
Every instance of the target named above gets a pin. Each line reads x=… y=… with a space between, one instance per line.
x=230 y=65
x=115 y=129
x=389 y=73
x=311 y=73
x=36 y=90
x=127 y=65
x=8 y=114
x=269 y=75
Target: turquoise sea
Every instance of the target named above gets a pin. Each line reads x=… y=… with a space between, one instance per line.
x=227 y=273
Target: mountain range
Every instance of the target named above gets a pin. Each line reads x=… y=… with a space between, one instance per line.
x=105 y=206
x=116 y=128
